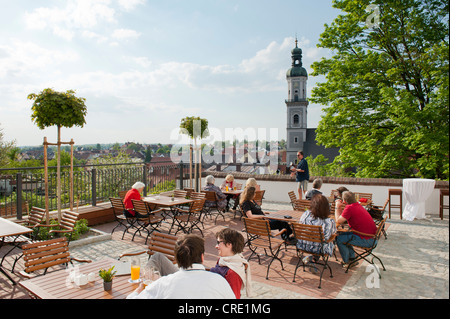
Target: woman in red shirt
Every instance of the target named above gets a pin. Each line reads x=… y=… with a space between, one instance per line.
x=134 y=193
x=231 y=264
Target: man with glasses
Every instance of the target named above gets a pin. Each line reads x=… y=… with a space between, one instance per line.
x=302 y=174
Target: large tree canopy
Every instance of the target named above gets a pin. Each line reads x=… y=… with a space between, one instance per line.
x=386 y=87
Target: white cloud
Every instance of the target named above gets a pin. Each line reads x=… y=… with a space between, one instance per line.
x=77 y=14
x=21 y=58
x=129 y=5
x=123 y=34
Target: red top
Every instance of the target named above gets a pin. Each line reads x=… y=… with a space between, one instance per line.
x=235 y=282
x=359 y=219
x=131 y=194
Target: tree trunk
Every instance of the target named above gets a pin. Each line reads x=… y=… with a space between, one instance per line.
x=58 y=174
x=195 y=165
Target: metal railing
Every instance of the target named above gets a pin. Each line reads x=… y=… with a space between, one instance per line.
x=22 y=188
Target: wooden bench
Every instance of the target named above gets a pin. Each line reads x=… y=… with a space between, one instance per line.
x=99 y=214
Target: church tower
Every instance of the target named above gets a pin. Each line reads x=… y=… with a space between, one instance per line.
x=296 y=106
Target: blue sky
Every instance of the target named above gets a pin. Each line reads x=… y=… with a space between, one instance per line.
x=144 y=65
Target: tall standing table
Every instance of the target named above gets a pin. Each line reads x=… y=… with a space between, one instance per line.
x=417 y=191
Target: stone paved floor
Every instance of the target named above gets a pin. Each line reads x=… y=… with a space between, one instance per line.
x=416 y=257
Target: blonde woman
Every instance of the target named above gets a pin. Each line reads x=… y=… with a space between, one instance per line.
x=229 y=181
x=251 y=182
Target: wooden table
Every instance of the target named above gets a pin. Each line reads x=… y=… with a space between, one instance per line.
x=166 y=201
x=10 y=229
x=232 y=192
x=56 y=285
x=280 y=215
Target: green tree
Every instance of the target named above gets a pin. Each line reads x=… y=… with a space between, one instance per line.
x=62 y=109
x=387 y=87
x=5 y=148
x=148 y=154
x=195 y=127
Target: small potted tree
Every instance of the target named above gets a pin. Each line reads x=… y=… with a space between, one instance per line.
x=107 y=276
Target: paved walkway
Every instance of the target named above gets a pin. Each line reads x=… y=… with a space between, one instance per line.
x=416 y=257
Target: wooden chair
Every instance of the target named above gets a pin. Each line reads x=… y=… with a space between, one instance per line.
x=197 y=195
x=46 y=254
x=443 y=193
x=259 y=196
x=153 y=218
x=35 y=219
x=259 y=236
x=238 y=186
x=65 y=226
x=188 y=219
x=161 y=243
x=189 y=191
x=122 y=194
x=377 y=214
x=368 y=196
x=301 y=204
x=122 y=220
x=180 y=193
x=365 y=252
x=292 y=198
x=211 y=196
x=313 y=234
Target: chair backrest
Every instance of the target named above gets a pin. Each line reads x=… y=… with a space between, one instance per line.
x=36 y=216
x=238 y=186
x=189 y=191
x=368 y=196
x=68 y=220
x=292 y=196
x=140 y=206
x=210 y=196
x=301 y=204
x=163 y=243
x=122 y=194
x=45 y=254
x=197 y=206
x=259 y=195
x=380 y=228
x=117 y=205
x=310 y=233
x=197 y=195
x=258 y=228
x=180 y=193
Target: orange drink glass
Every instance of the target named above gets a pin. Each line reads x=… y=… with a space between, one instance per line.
x=135 y=270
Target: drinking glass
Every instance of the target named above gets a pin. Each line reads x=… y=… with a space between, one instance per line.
x=150 y=275
x=135 y=270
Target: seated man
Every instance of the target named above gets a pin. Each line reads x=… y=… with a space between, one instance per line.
x=316 y=185
x=358 y=219
x=191 y=280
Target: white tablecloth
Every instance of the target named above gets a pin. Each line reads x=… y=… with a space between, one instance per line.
x=417 y=191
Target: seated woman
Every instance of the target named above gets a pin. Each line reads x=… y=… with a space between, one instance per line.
x=222 y=198
x=251 y=209
x=229 y=181
x=251 y=182
x=134 y=193
x=318 y=215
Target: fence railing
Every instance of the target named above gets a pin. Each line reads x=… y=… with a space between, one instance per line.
x=22 y=188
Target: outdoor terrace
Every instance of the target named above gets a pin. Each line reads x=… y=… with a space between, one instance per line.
x=415 y=253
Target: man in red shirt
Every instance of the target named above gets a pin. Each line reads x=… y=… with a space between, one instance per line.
x=231 y=264
x=358 y=219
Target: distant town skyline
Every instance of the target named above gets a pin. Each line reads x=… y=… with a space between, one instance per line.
x=144 y=65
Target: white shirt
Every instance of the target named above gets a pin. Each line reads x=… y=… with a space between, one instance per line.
x=192 y=283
